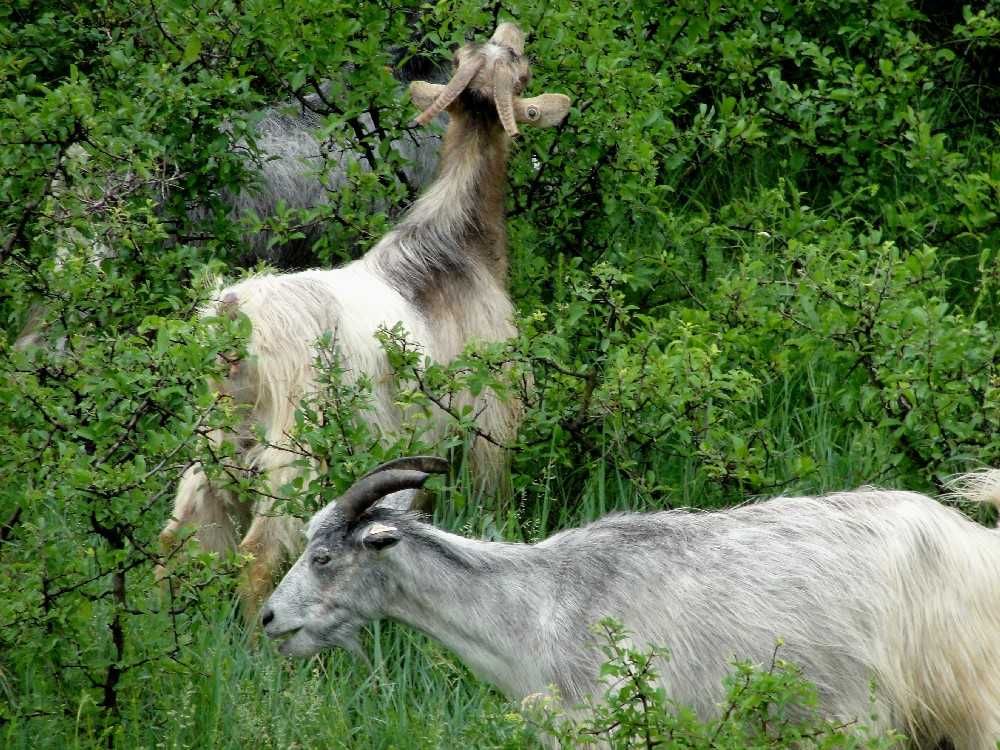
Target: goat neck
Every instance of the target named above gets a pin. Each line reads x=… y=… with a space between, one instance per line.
x=483 y=600
x=465 y=204
x=453 y=241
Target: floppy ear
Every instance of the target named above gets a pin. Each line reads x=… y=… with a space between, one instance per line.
x=378 y=536
x=403 y=500
x=544 y=111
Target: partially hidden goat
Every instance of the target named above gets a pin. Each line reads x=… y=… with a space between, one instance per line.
x=441 y=272
x=870 y=587
x=287 y=163
x=290 y=155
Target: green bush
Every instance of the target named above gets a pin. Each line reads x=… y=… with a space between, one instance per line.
x=761 y=255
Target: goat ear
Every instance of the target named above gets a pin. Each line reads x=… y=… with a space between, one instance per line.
x=544 y=111
x=424 y=94
x=402 y=500
x=379 y=536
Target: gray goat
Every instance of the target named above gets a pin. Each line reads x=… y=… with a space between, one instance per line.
x=866 y=585
x=288 y=163
x=290 y=156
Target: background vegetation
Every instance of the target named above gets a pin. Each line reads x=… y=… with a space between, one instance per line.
x=760 y=256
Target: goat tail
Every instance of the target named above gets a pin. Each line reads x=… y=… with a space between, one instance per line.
x=981 y=486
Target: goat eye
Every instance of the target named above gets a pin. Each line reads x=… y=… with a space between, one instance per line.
x=320 y=559
x=532 y=113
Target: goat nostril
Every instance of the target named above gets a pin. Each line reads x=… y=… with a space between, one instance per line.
x=267 y=617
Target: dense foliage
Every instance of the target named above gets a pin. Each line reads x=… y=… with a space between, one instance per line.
x=762 y=254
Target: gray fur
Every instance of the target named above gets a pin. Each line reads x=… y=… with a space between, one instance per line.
x=290 y=164
x=868 y=585
x=295 y=168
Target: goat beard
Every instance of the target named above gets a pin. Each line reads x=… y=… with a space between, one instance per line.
x=345 y=634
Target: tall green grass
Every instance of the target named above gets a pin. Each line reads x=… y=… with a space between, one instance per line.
x=234 y=691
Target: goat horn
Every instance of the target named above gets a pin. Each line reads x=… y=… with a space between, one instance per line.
x=426 y=464
x=503 y=97
x=465 y=73
x=370 y=489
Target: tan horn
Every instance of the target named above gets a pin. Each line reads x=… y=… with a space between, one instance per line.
x=423 y=94
x=503 y=97
x=465 y=73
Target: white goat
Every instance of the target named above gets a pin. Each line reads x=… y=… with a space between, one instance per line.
x=866 y=585
x=442 y=272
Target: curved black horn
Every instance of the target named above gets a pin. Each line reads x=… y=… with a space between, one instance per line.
x=408 y=473
x=426 y=464
x=368 y=490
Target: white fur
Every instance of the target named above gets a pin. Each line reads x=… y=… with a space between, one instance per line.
x=441 y=272
x=463 y=298
x=289 y=313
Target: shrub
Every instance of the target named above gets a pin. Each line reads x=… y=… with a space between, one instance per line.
x=761 y=254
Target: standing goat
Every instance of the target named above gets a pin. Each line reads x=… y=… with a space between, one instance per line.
x=442 y=272
x=866 y=585
x=291 y=155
